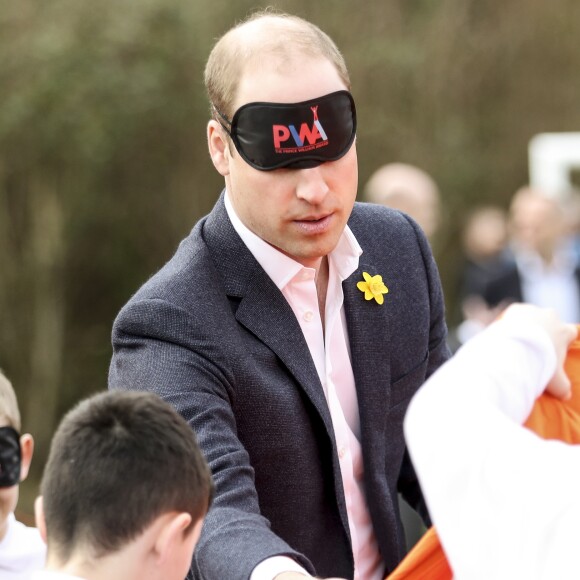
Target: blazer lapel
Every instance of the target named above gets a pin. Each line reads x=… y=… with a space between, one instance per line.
x=369 y=337
x=266 y=313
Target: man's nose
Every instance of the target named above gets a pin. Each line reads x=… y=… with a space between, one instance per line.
x=312 y=186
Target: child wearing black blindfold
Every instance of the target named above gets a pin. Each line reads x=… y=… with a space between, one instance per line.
x=21 y=548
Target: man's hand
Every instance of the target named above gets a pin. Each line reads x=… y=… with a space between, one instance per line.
x=560 y=334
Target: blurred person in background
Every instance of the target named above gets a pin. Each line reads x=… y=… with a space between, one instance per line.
x=408 y=189
x=545 y=271
x=485 y=247
x=486 y=256
x=571 y=203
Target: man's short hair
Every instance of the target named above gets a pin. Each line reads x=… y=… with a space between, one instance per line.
x=117 y=462
x=527 y=195
x=257 y=39
x=394 y=183
x=9 y=413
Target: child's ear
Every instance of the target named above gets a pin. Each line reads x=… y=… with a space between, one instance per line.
x=39 y=517
x=26 y=449
x=171 y=535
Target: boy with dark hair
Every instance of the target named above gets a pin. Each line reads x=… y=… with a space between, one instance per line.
x=124 y=492
x=21 y=548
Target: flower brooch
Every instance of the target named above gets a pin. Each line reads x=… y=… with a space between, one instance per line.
x=373 y=287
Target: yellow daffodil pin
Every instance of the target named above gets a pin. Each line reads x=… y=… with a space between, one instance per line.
x=373 y=287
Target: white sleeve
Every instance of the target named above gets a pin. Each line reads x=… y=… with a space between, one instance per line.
x=504 y=502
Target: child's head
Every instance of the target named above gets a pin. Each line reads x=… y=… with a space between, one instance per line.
x=15 y=452
x=124 y=477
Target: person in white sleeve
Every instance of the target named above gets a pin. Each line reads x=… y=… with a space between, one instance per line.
x=505 y=503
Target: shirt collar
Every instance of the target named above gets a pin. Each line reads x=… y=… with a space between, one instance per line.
x=280 y=267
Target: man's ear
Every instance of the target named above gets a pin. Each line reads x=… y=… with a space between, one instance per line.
x=219 y=151
x=39 y=517
x=171 y=535
x=26 y=449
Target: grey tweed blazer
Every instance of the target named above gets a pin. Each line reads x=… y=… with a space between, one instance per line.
x=212 y=334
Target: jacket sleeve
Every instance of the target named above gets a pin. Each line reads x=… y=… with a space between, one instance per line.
x=159 y=347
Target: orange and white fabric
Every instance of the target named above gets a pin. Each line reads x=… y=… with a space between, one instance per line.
x=504 y=500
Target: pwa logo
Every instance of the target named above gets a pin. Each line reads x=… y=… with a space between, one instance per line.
x=305 y=139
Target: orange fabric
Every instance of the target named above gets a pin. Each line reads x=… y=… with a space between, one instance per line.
x=554 y=419
x=426 y=561
x=550 y=419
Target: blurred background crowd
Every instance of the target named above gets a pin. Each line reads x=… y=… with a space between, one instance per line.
x=104 y=165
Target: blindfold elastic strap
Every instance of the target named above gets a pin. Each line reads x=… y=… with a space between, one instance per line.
x=224 y=118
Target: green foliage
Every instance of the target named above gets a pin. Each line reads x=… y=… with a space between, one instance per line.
x=103 y=160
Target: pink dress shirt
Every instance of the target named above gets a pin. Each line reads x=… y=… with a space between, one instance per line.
x=331 y=355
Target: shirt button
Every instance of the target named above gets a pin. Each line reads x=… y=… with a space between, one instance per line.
x=308 y=316
x=342 y=452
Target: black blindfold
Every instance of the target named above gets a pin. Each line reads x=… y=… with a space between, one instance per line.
x=10 y=457
x=295 y=135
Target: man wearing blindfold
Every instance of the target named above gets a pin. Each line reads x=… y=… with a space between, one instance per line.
x=292 y=326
